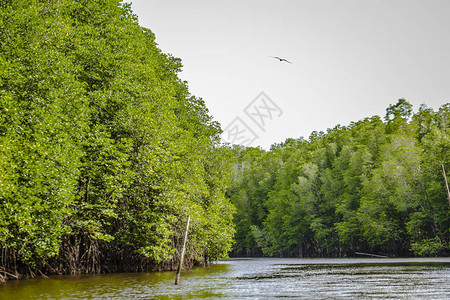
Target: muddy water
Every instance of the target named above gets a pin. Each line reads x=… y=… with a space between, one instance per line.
x=256 y=279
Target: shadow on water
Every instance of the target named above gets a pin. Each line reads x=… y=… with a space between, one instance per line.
x=117 y=286
x=255 y=279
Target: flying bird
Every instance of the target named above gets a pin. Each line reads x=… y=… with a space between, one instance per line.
x=281 y=59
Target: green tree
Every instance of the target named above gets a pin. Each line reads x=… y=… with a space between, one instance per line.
x=43 y=115
x=371 y=186
x=104 y=150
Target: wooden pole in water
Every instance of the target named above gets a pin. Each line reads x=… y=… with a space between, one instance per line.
x=183 y=249
x=446 y=183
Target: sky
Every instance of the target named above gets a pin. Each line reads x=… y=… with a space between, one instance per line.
x=350 y=59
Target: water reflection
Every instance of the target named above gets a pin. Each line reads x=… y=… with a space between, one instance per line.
x=256 y=279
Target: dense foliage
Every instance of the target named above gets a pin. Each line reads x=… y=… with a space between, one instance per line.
x=375 y=186
x=103 y=150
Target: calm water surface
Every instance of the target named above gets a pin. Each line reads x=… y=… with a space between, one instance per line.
x=256 y=279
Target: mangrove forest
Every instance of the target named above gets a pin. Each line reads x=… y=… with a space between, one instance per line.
x=104 y=153
x=375 y=186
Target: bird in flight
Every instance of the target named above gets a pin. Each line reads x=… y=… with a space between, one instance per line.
x=281 y=59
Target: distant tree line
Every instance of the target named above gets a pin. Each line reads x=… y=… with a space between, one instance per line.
x=103 y=151
x=375 y=186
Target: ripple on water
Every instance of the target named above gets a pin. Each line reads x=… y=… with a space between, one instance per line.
x=256 y=279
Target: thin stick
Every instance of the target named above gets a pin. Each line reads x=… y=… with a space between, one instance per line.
x=183 y=249
x=370 y=254
x=446 y=183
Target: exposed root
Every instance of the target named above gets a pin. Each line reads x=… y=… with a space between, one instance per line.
x=4 y=275
x=43 y=275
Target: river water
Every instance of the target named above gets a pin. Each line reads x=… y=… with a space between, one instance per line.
x=262 y=278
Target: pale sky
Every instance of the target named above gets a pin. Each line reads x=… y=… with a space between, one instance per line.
x=350 y=59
